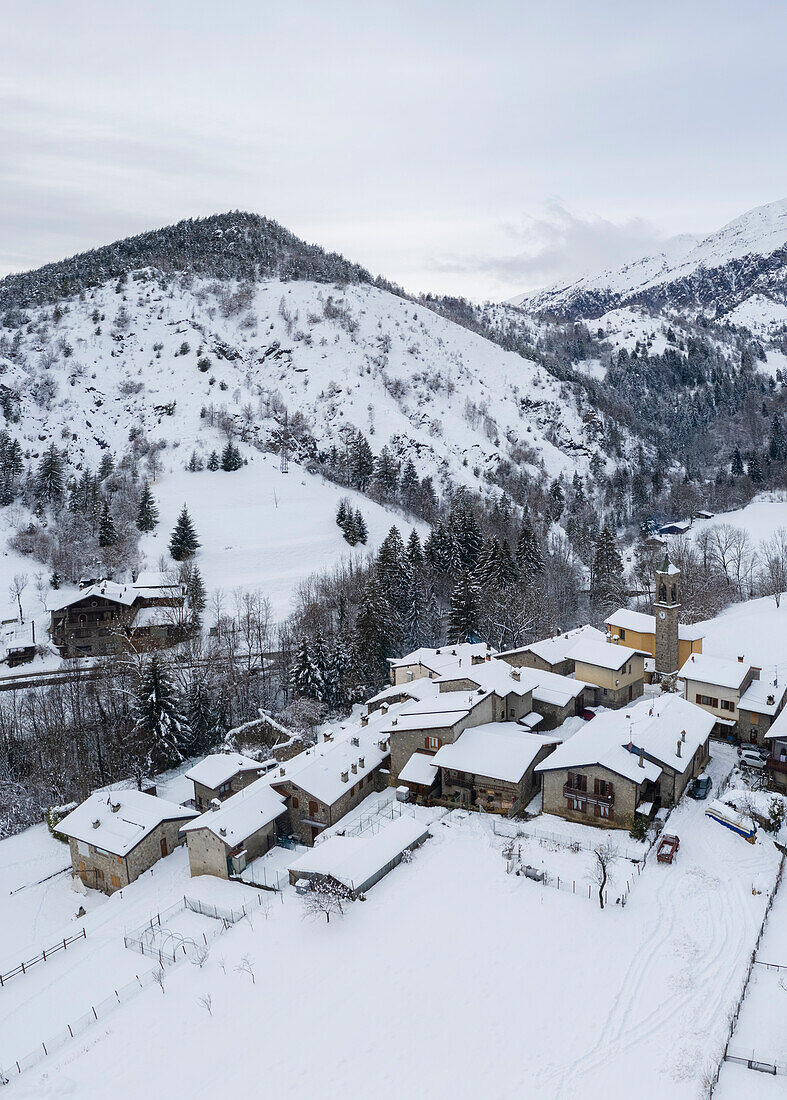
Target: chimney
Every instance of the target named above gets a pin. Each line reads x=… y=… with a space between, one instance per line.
x=771 y=700
x=361 y=761
x=354 y=768
x=281 y=771
x=677 y=753
x=382 y=744
x=96 y=823
x=394 y=721
x=516 y=674
x=364 y=719
x=740 y=660
x=215 y=804
x=489 y=657
x=355 y=741
x=642 y=758
x=345 y=777
x=683 y=735
x=384 y=708
x=222 y=830
x=114 y=807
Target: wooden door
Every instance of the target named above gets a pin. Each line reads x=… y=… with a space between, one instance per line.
x=164 y=846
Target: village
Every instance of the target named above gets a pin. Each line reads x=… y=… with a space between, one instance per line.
x=625 y=767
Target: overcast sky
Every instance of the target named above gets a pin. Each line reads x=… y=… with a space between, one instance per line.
x=473 y=148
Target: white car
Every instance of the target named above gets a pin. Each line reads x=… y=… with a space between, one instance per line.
x=751 y=758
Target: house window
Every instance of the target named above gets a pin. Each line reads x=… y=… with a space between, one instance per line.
x=432 y=743
x=294 y=803
x=577 y=805
x=605 y=691
x=622 y=634
x=755 y=719
x=312 y=809
x=602 y=811
x=727 y=704
x=709 y=701
x=629 y=670
x=115 y=880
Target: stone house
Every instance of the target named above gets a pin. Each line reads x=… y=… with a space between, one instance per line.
x=233 y=833
x=420 y=776
x=113 y=837
x=628 y=762
x=102 y=615
x=492 y=767
x=222 y=774
x=722 y=686
x=324 y=783
x=430 y=723
x=551 y=654
x=615 y=673
x=430 y=663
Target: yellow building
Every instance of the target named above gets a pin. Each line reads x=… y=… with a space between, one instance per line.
x=638 y=631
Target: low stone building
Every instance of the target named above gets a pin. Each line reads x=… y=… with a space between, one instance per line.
x=627 y=762
x=638 y=631
x=430 y=663
x=430 y=723
x=615 y=672
x=492 y=767
x=233 y=833
x=115 y=836
x=551 y=654
x=222 y=774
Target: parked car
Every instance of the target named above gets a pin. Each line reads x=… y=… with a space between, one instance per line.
x=587 y=713
x=751 y=758
x=700 y=787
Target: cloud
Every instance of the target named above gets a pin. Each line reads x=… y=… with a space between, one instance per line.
x=559 y=247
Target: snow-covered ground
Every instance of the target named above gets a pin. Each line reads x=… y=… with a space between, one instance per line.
x=761 y=518
x=755 y=628
x=453 y=979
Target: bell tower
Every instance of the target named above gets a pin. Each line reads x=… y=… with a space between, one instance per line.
x=667 y=609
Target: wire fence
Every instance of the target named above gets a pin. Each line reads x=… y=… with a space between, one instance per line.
x=266 y=878
x=173 y=948
x=513 y=831
x=47 y=953
x=514 y=866
x=752 y=1060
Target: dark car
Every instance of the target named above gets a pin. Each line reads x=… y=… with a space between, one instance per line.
x=700 y=787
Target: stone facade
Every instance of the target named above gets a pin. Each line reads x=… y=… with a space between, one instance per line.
x=493 y=795
x=597 y=805
x=307 y=816
x=404 y=743
x=667 y=610
x=203 y=796
x=210 y=855
x=105 y=871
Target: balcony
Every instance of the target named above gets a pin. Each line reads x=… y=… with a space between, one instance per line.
x=570 y=791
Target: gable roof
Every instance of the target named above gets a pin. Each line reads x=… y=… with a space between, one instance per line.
x=498 y=750
x=123 y=594
x=220 y=767
x=641 y=623
x=556 y=649
x=443 y=658
x=720 y=671
x=119 y=830
x=494 y=675
x=602 y=654
x=354 y=860
x=242 y=815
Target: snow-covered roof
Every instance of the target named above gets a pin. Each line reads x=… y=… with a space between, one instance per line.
x=122 y=594
x=762 y=697
x=498 y=750
x=602 y=654
x=655 y=726
x=721 y=671
x=439 y=660
x=153 y=616
x=320 y=773
x=553 y=650
x=413 y=689
x=220 y=767
x=15 y=636
x=641 y=623
x=242 y=814
x=779 y=727
x=420 y=768
x=121 y=829
x=153 y=578
x=557 y=690
x=446 y=708
x=494 y=675
x=353 y=860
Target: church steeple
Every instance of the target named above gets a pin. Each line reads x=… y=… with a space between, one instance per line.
x=667 y=608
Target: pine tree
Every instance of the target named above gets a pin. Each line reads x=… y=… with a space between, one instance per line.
x=195 y=593
x=231 y=458
x=306 y=676
x=737 y=463
x=415 y=624
x=529 y=556
x=106 y=466
x=203 y=717
x=463 y=616
x=361 y=462
x=386 y=473
x=754 y=469
x=415 y=555
x=183 y=542
x=147 y=513
x=777 y=447
x=50 y=477
x=107 y=535
x=377 y=634
x=341 y=513
x=408 y=484
x=361 y=530
x=160 y=728
x=194 y=464
x=392 y=567
x=214 y=461
x=606 y=585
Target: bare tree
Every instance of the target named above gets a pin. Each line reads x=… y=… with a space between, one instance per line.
x=206 y=1000
x=773 y=559
x=325 y=898
x=606 y=855
x=15 y=590
x=158 y=978
x=246 y=966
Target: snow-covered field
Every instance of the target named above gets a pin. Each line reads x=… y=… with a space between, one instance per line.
x=453 y=979
x=761 y=518
x=756 y=628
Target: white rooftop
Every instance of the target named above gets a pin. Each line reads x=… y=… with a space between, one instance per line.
x=722 y=671
x=495 y=675
x=602 y=654
x=498 y=750
x=447 y=656
x=445 y=708
x=242 y=814
x=655 y=726
x=552 y=650
x=153 y=578
x=118 y=831
x=420 y=768
x=762 y=697
x=220 y=767
x=123 y=594
x=641 y=623
x=353 y=860
x=320 y=773
x=556 y=689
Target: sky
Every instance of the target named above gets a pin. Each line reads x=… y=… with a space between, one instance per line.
x=483 y=149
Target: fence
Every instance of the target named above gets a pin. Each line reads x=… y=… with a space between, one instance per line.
x=751 y=1061
x=167 y=945
x=571 y=886
x=516 y=832
x=727 y=1055
x=266 y=878
x=23 y=967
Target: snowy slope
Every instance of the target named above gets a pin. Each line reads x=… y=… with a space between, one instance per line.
x=715 y=275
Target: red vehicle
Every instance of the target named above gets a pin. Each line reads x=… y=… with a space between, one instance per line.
x=668 y=847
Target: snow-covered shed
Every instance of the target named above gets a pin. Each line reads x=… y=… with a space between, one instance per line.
x=358 y=862
x=114 y=836
x=231 y=834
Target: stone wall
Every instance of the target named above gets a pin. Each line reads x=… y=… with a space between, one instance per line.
x=105 y=871
x=623 y=806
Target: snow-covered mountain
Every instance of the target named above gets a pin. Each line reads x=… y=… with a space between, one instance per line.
x=737 y=274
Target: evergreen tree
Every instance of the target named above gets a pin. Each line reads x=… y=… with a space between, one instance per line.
x=159 y=727
x=777 y=449
x=147 y=513
x=392 y=567
x=737 y=463
x=408 y=484
x=415 y=625
x=306 y=676
x=204 y=717
x=106 y=466
x=606 y=584
x=361 y=462
x=463 y=616
x=107 y=535
x=377 y=634
x=360 y=528
x=194 y=464
x=529 y=556
x=195 y=592
x=386 y=473
x=415 y=555
x=341 y=513
x=754 y=469
x=183 y=542
x=214 y=461
x=50 y=477
x=231 y=458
